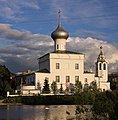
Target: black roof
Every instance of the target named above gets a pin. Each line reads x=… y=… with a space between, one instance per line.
x=43 y=71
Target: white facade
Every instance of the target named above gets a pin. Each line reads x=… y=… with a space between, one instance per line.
x=66 y=67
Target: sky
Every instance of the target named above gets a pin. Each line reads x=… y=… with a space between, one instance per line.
x=26 y=25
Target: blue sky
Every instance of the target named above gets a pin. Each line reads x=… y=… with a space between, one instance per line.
x=26 y=25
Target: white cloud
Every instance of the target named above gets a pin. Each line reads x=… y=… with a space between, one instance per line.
x=24 y=48
x=10 y=9
x=90 y=47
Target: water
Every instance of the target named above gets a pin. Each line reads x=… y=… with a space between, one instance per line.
x=36 y=112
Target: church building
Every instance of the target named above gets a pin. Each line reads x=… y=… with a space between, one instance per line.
x=65 y=67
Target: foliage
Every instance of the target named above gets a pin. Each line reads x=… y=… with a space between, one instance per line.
x=4 y=73
x=102 y=106
x=78 y=87
x=54 y=87
x=61 y=89
x=83 y=112
x=6 y=83
x=113 y=85
x=49 y=100
x=67 y=90
x=93 y=87
x=71 y=87
x=13 y=100
x=46 y=88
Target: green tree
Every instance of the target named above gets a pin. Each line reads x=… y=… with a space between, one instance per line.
x=46 y=88
x=72 y=88
x=78 y=87
x=4 y=73
x=5 y=81
x=93 y=87
x=61 y=89
x=54 y=87
x=102 y=106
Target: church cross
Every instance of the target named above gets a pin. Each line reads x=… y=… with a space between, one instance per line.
x=59 y=17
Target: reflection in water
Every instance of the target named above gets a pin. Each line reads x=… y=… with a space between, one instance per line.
x=36 y=112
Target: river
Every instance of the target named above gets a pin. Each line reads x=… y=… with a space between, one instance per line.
x=36 y=112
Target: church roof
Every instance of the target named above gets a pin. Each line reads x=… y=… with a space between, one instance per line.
x=43 y=71
x=59 y=33
x=65 y=52
x=61 y=52
x=101 y=57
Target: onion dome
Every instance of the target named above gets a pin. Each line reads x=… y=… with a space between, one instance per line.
x=101 y=57
x=59 y=33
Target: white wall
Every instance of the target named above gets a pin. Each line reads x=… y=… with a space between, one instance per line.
x=89 y=76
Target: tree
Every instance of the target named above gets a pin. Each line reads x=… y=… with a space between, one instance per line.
x=4 y=73
x=71 y=87
x=61 y=89
x=54 y=87
x=102 y=106
x=46 y=88
x=78 y=87
x=93 y=87
x=86 y=87
x=6 y=83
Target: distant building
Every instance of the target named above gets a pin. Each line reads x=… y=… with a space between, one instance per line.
x=65 y=67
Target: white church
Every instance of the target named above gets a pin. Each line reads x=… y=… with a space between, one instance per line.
x=65 y=67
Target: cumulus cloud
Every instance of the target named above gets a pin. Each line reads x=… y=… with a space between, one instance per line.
x=90 y=47
x=21 y=49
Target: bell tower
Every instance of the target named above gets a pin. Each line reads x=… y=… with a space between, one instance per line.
x=102 y=66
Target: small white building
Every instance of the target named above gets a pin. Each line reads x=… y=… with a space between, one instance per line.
x=65 y=67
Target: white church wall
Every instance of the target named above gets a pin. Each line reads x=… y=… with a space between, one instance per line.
x=103 y=85
x=66 y=67
x=103 y=73
x=40 y=78
x=88 y=78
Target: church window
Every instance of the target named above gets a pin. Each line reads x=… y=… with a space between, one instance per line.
x=86 y=80
x=104 y=66
x=57 y=46
x=57 y=66
x=76 y=66
x=76 y=78
x=100 y=66
x=67 y=78
x=57 y=78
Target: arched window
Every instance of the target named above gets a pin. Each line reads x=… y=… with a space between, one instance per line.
x=57 y=46
x=104 y=66
x=100 y=66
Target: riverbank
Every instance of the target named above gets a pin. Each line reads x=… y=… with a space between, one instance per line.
x=5 y=103
x=103 y=104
